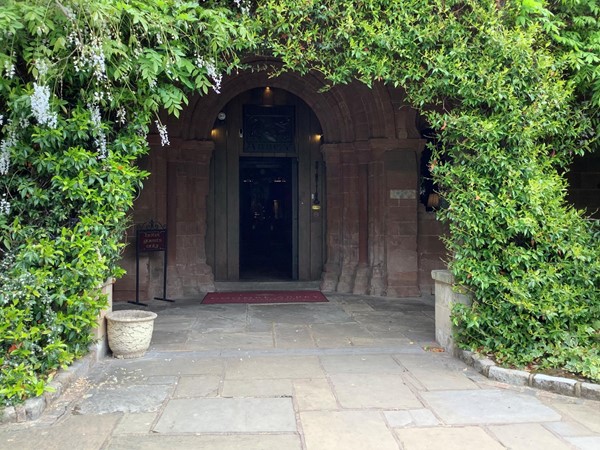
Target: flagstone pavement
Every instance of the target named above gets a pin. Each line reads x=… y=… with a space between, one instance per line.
x=355 y=373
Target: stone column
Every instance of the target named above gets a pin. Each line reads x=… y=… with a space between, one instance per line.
x=361 y=282
x=401 y=222
x=350 y=213
x=332 y=267
x=187 y=189
x=376 y=242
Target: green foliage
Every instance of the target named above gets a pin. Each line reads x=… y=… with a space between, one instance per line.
x=82 y=83
x=510 y=86
x=506 y=100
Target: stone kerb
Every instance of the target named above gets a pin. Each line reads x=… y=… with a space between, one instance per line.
x=446 y=295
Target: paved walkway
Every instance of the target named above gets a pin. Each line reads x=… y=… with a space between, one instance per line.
x=355 y=373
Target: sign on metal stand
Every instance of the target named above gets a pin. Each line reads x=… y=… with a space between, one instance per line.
x=150 y=237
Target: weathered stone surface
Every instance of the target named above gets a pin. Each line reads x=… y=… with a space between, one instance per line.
x=482 y=364
x=564 y=386
x=509 y=376
x=348 y=430
x=314 y=395
x=487 y=406
x=198 y=386
x=437 y=371
x=446 y=296
x=585 y=442
x=257 y=388
x=225 y=415
x=265 y=367
x=207 y=442
x=76 y=432
x=373 y=391
x=467 y=438
x=8 y=415
x=135 y=423
x=34 y=407
x=126 y=399
x=223 y=341
x=373 y=364
x=590 y=390
x=527 y=436
x=587 y=414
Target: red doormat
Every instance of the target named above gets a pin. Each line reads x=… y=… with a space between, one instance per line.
x=213 y=298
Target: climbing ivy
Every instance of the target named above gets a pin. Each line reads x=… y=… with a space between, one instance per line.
x=510 y=86
x=82 y=85
x=505 y=94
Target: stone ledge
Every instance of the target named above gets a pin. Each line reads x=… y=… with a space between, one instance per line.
x=558 y=385
x=33 y=408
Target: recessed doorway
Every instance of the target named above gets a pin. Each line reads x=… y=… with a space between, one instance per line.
x=268 y=214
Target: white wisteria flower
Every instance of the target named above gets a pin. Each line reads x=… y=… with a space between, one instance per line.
x=9 y=69
x=100 y=135
x=4 y=206
x=164 y=135
x=211 y=71
x=121 y=115
x=5 y=145
x=40 y=106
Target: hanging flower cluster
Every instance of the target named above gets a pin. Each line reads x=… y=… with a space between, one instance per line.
x=100 y=135
x=211 y=71
x=4 y=206
x=164 y=135
x=9 y=141
x=40 y=106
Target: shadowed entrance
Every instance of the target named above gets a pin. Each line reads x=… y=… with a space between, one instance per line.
x=267 y=212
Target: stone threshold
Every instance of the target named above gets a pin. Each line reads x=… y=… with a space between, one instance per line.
x=557 y=385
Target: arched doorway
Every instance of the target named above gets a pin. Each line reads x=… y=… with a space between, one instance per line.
x=354 y=148
x=265 y=210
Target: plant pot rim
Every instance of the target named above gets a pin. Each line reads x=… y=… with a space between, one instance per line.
x=131 y=315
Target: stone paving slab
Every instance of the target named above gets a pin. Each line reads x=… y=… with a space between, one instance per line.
x=585 y=443
x=341 y=397
x=127 y=399
x=227 y=415
x=385 y=391
x=268 y=368
x=587 y=414
x=567 y=429
x=257 y=388
x=373 y=364
x=527 y=436
x=207 y=442
x=411 y=418
x=393 y=321
x=198 y=386
x=76 y=432
x=487 y=407
x=337 y=335
x=314 y=395
x=436 y=371
x=262 y=317
x=172 y=364
x=220 y=341
x=347 y=430
x=467 y=438
x=136 y=423
x=292 y=336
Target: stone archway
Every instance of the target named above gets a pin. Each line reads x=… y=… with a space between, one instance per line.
x=379 y=240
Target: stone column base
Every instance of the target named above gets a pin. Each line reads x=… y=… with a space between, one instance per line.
x=446 y=295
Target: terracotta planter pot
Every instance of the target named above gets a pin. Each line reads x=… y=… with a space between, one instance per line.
x=129 y=332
